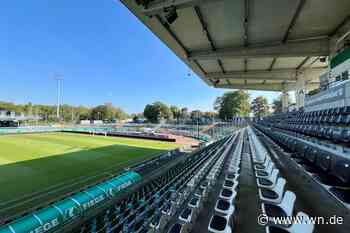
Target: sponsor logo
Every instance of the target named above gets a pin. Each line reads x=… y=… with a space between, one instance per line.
x=93 y=202
x=70 y=213
x=46 y=226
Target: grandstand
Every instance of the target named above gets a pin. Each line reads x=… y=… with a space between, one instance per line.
x=284 y=173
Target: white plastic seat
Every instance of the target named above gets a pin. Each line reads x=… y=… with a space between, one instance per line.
x=263 y=166
x=187 y=216
x=268 y=170
x=285 y=208
x=228 y=194
x=179 y=228
x=233 y=169
x=224 y=207
x=268 y=182
x=219 y=224
x=277 y=190
x=232 y=176
x=228 y=184
x=195 y=202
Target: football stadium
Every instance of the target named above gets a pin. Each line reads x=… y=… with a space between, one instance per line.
x=256 y=138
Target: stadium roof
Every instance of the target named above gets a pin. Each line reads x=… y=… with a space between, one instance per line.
x=246 y=44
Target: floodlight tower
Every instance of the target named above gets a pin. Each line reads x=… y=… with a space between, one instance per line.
x=59 y=79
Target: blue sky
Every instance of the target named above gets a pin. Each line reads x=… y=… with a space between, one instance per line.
x=103 y=53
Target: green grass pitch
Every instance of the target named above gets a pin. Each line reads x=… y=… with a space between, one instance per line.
x=34 y=167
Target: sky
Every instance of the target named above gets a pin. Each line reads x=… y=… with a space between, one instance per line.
x=102 y=52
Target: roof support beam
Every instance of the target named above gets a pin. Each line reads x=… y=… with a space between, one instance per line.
x=338 y=35
x=157 y=7
x=342 y=28
x=246 y=23
x=276 y=74
x=299 y=48
x=313 y=62
x=245 y=26
x=204 y=27
x=306 y=59
x=290 y=28
x=267 y=87
x=297 y=12
x=272 y=64
x=257 y=86
x=221 y=66
x=207 y=34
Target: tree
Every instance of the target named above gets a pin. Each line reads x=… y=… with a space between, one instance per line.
x=165 y=112
x=68 y=113
x=232 y=104
x=157 y=111
x=28 y=108
x=135 y=118
x=107 y=112
x=277 y=105
x=184 y=113
x=260 y=106
x=151 y=113
x=120 y=114
x=176 y=112
x=83 y=113
x=99 y=112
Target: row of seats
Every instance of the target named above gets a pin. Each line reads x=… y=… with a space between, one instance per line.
x=316 y=156
x=142 y=209
x=331 y=170
x=224 y=210
x=331 y=124
x=339 y=115
x=276 y=201
x=197 y=192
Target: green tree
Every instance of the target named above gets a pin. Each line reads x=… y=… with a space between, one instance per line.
x=184 y=113
x=28 y=108
x=176 y=112
x=8 y=106
x=157 y=111
x=135 y=118
x=165 y=112
x=151 y=113
x=231 y=104
x=68 y=113
x=107 y=112
x=100 y=112
x=260 y=106
x=83 y=113
x=120 y=114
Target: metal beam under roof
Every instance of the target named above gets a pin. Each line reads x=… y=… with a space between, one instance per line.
x=277 y=74
x=300 y=48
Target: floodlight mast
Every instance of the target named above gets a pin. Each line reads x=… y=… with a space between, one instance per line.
x=59 y=79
